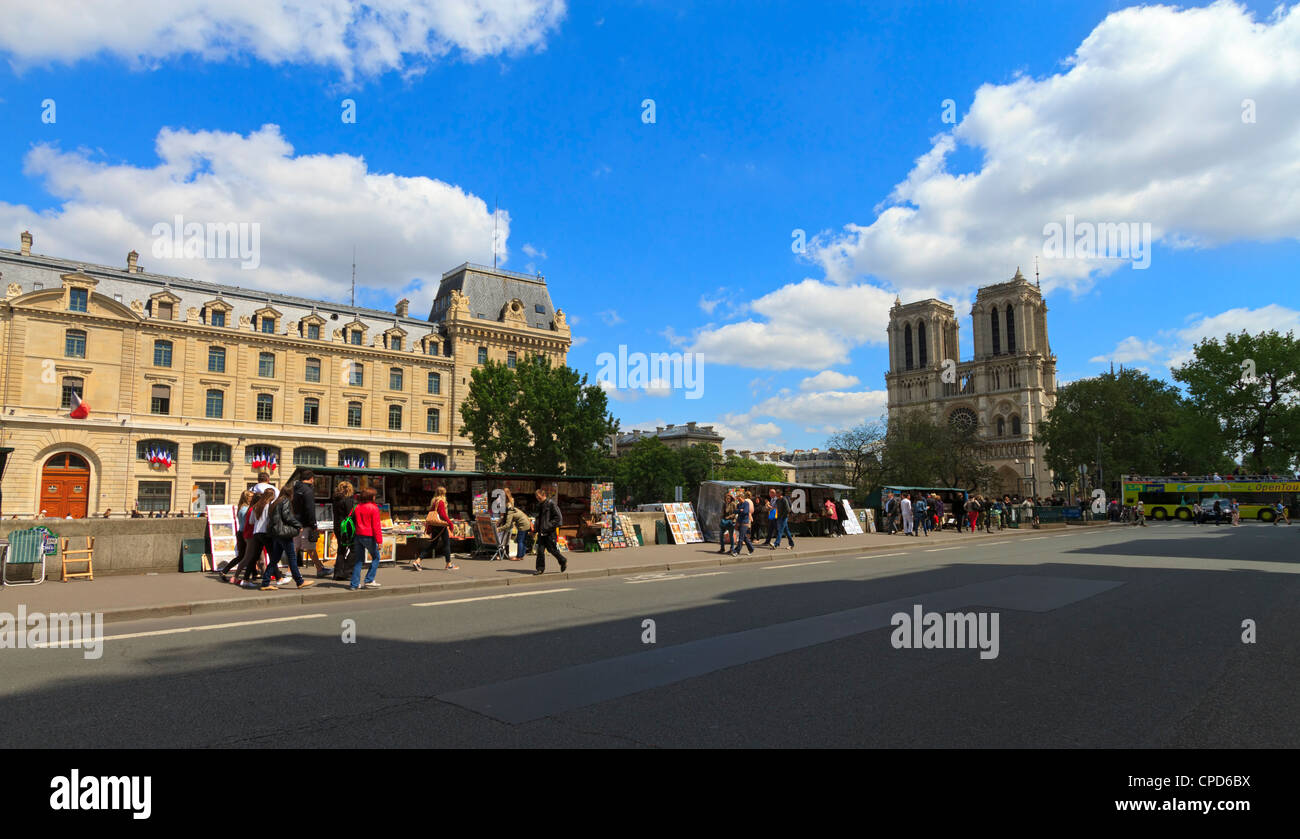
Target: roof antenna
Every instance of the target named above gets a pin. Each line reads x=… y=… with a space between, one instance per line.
x=354 y=276
x=494 y=233
x=1036 y=282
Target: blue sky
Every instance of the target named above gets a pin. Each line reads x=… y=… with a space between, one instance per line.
x=677 y=235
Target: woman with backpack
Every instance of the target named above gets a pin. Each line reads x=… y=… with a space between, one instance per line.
x=370 y=535
x=282 y=527
x=344 y=502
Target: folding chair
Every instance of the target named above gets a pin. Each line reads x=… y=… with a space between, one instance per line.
x=26 y=547
x=72 y=557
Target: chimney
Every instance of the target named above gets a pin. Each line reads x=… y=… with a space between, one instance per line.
x=691 y=426
x=132 y=263
x=670 y=425
x=403 y=306
x=26 y=239
x=658 y=429
x=745 y=453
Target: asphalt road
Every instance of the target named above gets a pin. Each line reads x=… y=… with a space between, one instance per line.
x=1107 y=637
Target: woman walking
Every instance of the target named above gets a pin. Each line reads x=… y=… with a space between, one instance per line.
x=255 y=538
x=438 y=525
x=370 y=536
x=282 y=527
x=241 y=515
x=344 y=503
x=744 y=515
x=727 y=527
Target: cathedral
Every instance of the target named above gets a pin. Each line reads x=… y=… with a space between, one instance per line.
x=1002 y=394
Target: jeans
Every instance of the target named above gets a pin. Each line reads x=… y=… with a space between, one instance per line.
x=725 y=529
x=925 y=523
x=521 y=549
x=742 y=538
x=362 y=545
x=783 y=529
x=279 y=546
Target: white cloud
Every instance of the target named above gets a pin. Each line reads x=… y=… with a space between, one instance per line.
x=366 y=38
x=310 y=211
x=610 y=317
x=1173 y=347
x=578 y=341
x=833 y=408
x=740 y=432
x=829 y=380
x=709 y=305
x=1145 y=124
x=532 y=252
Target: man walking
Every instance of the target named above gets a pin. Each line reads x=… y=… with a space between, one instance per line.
x=304 y=509
x=744 y=518
x=920 y=515
x=906 y=504
x=781 y=509
x=891 y=511
x=548 y=521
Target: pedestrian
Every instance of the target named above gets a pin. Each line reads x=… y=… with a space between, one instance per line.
x=770 y=521
x=282 y=528
x=255 y=539
x=437 y=524
x=1218 y=512
x=744 y=517
x=369 y=536
x=727 y=527
x=782 y=513
x=344 y=503
x=989 y=509
x=973 y=513
x=959 y=510
x=516 y=521
x=906 y=507
x=1139 y=514
x=304 y=509
x=832 y=519
x=241 y=515
x=920 y=512
x=1279 y=514
x=1196 y=512
x=1236 y=513
x=940 y=510
x=891 y=513
x=548 y=522
x=264 y=483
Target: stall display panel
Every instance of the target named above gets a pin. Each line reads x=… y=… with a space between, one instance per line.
x=851 y=524
x=682 y=523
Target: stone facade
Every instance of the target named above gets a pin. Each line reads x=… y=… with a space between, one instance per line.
x=218 y=375
x=674 y=437
x=1003 y=393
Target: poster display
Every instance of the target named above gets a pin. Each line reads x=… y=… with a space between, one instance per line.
x=851 y=524
x=682 y=523
x=628 y=530
x=221 y=533
x=487 y=532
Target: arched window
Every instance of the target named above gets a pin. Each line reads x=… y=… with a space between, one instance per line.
x=153 y=450
x=353 y=457
x=260 y=457
x=1002 y=427
x=433 y=460
x=211 y=453
x=394 y=460
x=74 y=343
x=907 y=346
x=997 y=339
x=308 y=456
x=66 y=460
x=1015 y=426
x=922 y=352
x=216 y=404
x=1011 y=329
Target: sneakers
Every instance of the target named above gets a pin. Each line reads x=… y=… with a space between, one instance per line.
x=372 y=585
x=306 y=584
x=271 y=587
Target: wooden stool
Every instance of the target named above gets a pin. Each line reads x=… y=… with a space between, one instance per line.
x=87 y=556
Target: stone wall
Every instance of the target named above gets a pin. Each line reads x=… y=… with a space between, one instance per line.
x=122 y=546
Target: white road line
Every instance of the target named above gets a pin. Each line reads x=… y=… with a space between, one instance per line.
x=491 y=597
x=932 y=550
x=187 y=629
x=1007 y=542
x=873 y=556
x=1034 y=539
x=794 y=565
x=678 y=577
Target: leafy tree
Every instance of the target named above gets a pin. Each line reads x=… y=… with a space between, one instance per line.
x=861 y=448
x=737 y=468
x=1250 y=384
x=920 y=451
x=648 y=471
x=698 y=464
x=537 y=418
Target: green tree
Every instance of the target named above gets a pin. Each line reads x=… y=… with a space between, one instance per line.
x=736 y=468
x=648 y=471
x=1250 y=384
x=861 y=447
x=537 y=418
x=698 y=464
x=919 y=451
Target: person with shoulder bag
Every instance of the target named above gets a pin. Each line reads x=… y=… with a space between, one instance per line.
x=727 y=527
x=437 y=524
x=549 y=519
x=283 y=527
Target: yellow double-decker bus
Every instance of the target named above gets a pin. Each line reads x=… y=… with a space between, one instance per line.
x=1172 y=497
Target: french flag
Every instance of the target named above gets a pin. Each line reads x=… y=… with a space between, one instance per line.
x=80 y=410
x=273 y=462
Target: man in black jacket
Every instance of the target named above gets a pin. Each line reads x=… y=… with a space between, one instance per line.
x=548 y=521
x=304 y=508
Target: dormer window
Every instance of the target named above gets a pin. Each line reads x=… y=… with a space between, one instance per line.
x=216 y=318
x=355 y=337
x=77 y=298
x=313 y=331
x=163 y=310
x=215 y=311
x=268 y=325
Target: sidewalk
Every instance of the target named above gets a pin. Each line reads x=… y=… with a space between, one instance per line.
x=123 y=598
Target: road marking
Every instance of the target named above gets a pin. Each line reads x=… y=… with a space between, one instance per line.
x=873 y=556
x=491 y=597
x=1007 y=542
x=530 y=698
x=794 y=565
x=186 y=629
x=1034 y=539
x=677 y=577
x=932 y=550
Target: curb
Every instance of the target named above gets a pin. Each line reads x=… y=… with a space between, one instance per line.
x=292 y=598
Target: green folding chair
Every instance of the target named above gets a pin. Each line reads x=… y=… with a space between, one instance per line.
x=26 y=547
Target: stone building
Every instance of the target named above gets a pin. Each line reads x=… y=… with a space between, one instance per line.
x=813 y=466
x=1002 y=394
x=190 y=384
x=674 y=436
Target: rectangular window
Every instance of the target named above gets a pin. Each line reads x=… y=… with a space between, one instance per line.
x=394 y=343
x=74 y=345
x=213 y=492
x=154 y=496
x=510 y=359
x=356 y=374
x=395 y=379
x=216 y=404
x=71 y=385
x=394 y=417
x=77 y=299
x=482 y=355
x=266 y=365
x=216 y=359
x=311 y=372
x=311 y=412
x=162 y=353
x=163 y=311
x=268 y=326
x=431 y=424
x=265 y=406
x=217 y=318
x=435 y=383
x=354 y=415
x=161 y=400
x=313 y=331
x=356 y=337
